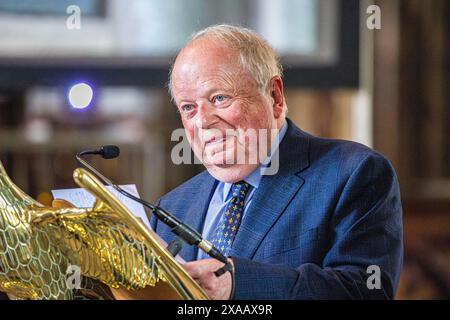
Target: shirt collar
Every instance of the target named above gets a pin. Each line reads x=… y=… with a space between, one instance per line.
x=255 y=177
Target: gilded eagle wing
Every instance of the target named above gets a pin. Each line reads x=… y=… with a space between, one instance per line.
x=103 y=247
x=31 y=266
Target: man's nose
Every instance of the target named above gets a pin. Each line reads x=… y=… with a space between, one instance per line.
x=206 y=115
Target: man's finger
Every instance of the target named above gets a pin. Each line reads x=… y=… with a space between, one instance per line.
x=195 y=268
x=198 y=269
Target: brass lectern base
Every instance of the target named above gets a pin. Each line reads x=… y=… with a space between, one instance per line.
x=162 y=291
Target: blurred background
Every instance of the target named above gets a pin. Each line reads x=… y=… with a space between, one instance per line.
x=80 y=74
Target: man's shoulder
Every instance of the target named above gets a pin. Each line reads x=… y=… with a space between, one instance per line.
x=329 y=152
x=345 y=156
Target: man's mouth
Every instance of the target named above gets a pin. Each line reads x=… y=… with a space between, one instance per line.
x=216 y=140
x=218 y=146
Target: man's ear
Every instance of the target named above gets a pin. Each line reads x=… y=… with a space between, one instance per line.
x=276 y=93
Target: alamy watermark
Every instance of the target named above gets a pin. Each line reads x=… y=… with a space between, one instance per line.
x=374 y=20
x=73 y=21
x=374 y=280
x=237 y=147
x=73 y=277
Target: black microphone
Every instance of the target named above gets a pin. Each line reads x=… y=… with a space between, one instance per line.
x=184 y=231
x=107 y=152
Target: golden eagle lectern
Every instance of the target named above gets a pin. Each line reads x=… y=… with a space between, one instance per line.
x=106 y=242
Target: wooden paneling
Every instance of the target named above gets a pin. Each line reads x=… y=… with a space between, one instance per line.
x=325 y=113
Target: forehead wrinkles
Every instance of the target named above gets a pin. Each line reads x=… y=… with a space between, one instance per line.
x=206 y=61
x=191 y=81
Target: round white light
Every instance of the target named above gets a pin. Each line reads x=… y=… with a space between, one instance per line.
x=80 y=95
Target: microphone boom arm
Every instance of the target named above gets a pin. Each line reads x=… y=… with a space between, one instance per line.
x=184 y=231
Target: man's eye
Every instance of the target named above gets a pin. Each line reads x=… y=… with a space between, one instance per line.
x=187 y=108
x=219 y=98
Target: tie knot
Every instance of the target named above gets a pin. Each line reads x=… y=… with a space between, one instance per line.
x=240 y=189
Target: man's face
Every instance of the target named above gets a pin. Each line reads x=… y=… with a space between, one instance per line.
x=220 y=105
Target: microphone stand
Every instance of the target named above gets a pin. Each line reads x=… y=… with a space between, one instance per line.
x=184 y=232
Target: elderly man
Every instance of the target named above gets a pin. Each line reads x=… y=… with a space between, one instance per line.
x=325 y=225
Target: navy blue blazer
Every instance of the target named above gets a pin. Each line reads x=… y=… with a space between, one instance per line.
x=312 y=230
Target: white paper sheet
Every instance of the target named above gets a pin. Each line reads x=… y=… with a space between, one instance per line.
x=83 y=199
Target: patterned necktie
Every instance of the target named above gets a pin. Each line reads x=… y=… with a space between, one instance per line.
x=225 y=232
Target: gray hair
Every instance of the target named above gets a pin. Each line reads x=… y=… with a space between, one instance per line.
x=256 y=55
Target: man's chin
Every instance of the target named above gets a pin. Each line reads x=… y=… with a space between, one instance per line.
x=220 y=160
x=230 y=173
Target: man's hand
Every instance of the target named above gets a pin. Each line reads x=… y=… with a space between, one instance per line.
x=217 y=288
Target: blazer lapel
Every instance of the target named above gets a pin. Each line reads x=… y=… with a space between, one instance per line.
x=274 y=193
x=272 y=197
x=195 y=213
